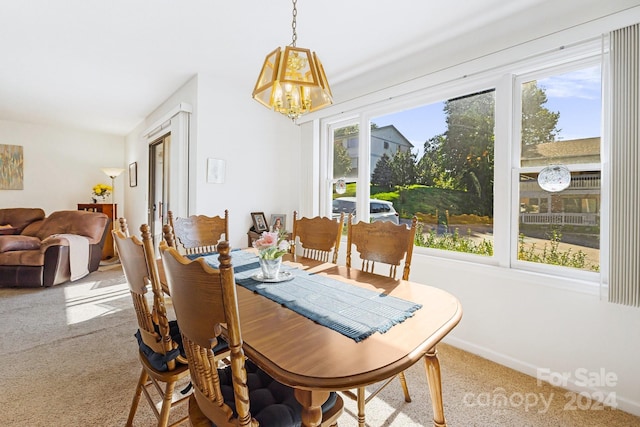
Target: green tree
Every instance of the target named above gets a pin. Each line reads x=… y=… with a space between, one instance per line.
x=403 y=168
x=382 y=174
x=341 y=160
x=467 y=147
x=429 y=169
x=538 y=123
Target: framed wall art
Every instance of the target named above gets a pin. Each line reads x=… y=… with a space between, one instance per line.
x=11 y=167
x=216 y=169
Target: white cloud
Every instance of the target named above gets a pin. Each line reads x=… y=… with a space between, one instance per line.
x=583 y=84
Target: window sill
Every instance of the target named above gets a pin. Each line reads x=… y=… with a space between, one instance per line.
x=480 y=266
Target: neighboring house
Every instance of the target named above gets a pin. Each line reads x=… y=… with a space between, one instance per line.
x=387 y=140
x=579 y=204
x=384 y=140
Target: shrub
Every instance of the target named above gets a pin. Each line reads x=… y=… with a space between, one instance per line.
x=453 y=242
x=551 y=254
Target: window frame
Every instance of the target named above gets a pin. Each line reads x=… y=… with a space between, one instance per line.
x=506 y=196
x=517 y=169
x=326 y=157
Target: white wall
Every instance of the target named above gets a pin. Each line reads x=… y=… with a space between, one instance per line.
x=523 y=320
x=527 y=322
x=61 y=165
x=137 y=150
x=260 y=149
x=135 y=209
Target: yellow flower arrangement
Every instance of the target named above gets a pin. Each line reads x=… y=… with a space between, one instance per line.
x=102 y=190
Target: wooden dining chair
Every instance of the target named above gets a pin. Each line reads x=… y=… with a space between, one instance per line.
x=158 y=338
x=319 y=237
x=386 y=243
x=204 y=298
x=198 y=234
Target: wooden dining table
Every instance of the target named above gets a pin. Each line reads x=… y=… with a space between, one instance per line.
x=316 y=360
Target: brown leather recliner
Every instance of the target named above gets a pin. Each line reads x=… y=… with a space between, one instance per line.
x=38 y=256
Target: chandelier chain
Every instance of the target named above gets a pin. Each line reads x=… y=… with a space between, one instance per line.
x=294 y=37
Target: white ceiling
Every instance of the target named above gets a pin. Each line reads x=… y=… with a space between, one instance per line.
x=105 y=65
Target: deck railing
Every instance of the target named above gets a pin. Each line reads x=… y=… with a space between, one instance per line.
x=579 y=182
x=560 y=218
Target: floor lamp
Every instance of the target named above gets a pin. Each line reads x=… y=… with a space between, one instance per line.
x=113 y=174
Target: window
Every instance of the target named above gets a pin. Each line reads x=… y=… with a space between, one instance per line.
x=344 y=166
x=560 y=124
x=468 y=151
x=443 y=171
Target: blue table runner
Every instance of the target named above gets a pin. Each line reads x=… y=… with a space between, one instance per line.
x=353 y=311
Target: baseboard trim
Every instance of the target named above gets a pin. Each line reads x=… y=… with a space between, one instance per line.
x=623 y=403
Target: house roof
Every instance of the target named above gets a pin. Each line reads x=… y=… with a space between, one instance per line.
x=584 y=150
x=391 y=134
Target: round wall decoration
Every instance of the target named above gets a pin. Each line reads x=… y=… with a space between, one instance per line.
x=554 y=178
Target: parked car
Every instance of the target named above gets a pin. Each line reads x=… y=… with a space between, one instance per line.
x=379 y=210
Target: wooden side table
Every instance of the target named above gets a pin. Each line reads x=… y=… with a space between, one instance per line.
x=111 y=211
x=252 y=236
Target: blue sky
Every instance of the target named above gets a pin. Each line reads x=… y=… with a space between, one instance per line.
x=576 y=95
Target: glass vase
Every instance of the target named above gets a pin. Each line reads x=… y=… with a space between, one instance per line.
x=270 y=267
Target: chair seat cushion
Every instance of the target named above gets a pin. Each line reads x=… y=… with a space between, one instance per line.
x=158 y=360
x=273 y=404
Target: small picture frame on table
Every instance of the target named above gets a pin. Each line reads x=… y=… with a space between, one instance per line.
x=278 y=222
x=133 y=174
x=259 y=222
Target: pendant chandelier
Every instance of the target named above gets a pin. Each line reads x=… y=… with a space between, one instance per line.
x=292 y=81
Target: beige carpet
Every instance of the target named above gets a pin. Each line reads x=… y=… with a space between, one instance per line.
x=69 y=358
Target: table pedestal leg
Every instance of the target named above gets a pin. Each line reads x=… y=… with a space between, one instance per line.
x=311 y=402
x=432 y=366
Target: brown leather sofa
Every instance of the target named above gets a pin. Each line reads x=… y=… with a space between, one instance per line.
x=31 y=252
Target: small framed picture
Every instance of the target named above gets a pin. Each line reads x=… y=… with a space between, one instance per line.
x=216 y=171
x=259 y=222
x=133 y=174
x=278 y=222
